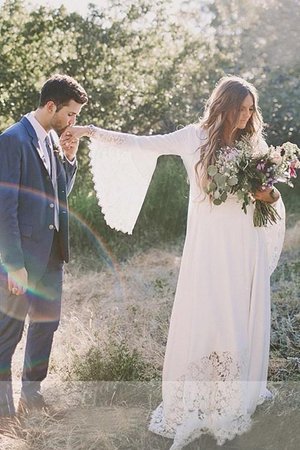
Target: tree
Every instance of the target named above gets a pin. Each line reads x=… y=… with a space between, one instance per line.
x=147 y=71
x=32 y=44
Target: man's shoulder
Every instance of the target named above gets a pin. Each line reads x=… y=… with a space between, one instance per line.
x=15 y=132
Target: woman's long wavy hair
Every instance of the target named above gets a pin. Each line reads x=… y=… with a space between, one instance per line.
x=226 y=98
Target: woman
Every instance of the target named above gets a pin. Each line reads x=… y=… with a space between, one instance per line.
x=216 y=361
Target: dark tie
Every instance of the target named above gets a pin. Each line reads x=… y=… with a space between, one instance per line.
x=52 y=173
x=49 y=151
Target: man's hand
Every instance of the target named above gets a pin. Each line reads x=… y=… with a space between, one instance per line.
x=17 y=281
x=70 y=148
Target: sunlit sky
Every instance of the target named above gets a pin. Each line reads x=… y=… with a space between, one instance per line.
x=79 y=6
x=72 y=5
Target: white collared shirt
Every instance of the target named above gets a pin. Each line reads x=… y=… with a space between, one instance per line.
x=41 y=135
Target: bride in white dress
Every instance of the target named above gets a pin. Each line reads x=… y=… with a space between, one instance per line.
x=216 y=360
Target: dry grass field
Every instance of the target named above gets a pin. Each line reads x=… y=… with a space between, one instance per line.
x=114 y=328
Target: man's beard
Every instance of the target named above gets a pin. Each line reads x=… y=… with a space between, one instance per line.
x=59 y=131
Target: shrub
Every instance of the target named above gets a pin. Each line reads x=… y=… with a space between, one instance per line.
x=116 y=362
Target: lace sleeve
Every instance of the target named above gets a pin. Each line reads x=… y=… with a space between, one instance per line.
x=176 y=143
x=122 y=166
x=275 y=236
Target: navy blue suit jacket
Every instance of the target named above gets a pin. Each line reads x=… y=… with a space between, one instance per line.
x=26 y=201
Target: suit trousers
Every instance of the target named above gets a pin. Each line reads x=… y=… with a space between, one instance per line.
x=42 y=303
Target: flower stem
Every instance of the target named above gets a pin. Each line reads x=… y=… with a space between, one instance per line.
x=264 y=214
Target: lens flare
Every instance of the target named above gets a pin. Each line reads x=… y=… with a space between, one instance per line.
x=41 y=301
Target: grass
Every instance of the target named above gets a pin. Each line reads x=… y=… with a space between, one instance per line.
x=285 y=331
x=140 y=318
x=114 y=327
x=114 y=416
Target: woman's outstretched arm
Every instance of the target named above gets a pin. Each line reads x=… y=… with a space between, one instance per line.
x=178 y=142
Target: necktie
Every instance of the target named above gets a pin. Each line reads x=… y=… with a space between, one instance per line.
x=52 y=173
x=49 y=152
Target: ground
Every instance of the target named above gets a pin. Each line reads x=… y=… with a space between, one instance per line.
x=131 y=302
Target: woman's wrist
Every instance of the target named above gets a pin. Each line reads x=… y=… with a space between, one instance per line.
x=89 y=131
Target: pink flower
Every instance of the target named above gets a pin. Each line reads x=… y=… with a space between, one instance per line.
x=276 y=158
x=260 y=166
x=292 y=168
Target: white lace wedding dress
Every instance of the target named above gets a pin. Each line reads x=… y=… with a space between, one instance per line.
x=216 y=361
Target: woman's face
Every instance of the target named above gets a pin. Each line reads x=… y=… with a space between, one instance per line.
x=246 y=111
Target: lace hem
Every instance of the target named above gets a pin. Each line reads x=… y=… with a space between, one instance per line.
x=194 y=426
x=209 y=398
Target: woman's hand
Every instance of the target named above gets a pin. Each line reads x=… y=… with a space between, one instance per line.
x=73 y=133
x=268 y=195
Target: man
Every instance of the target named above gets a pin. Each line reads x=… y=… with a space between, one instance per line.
x=35 y=179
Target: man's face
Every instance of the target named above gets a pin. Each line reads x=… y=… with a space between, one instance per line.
x=65 y=117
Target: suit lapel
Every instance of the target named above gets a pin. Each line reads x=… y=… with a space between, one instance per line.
x=34 y=140
x=55 y=143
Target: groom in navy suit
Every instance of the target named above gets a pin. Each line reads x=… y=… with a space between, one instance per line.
x=35 y=178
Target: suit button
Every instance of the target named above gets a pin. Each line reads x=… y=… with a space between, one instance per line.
x=51 y=205
x=51 y=227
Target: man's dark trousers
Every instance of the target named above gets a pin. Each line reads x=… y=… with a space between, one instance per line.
x=43 y=305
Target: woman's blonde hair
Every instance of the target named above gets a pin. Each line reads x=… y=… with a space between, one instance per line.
x=227 y=97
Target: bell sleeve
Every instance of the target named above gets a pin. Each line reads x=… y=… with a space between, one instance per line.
x=122 y=166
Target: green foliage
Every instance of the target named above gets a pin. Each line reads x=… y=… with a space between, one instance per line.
x=291 y=200
x=165 y=208
x=147 y=71
x=32 y=45
x=258 y=40
x=115 y=363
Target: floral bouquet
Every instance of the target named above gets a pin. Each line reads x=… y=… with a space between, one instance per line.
x=239 y=171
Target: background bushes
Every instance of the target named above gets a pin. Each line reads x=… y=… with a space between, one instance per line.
x=148 y=71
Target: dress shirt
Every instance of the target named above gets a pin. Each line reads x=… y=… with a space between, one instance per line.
x=48 y=158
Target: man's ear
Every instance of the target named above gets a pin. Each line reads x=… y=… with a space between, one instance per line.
x=51 y=107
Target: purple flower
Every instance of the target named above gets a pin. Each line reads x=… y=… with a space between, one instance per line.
x=260 y=166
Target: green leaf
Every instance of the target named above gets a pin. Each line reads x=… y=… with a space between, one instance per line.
x=223 y=197
x=211 y=187
x=240 y=195
x=220 y=179
x=217 y=201
x=232 y=181
x=212 y=170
